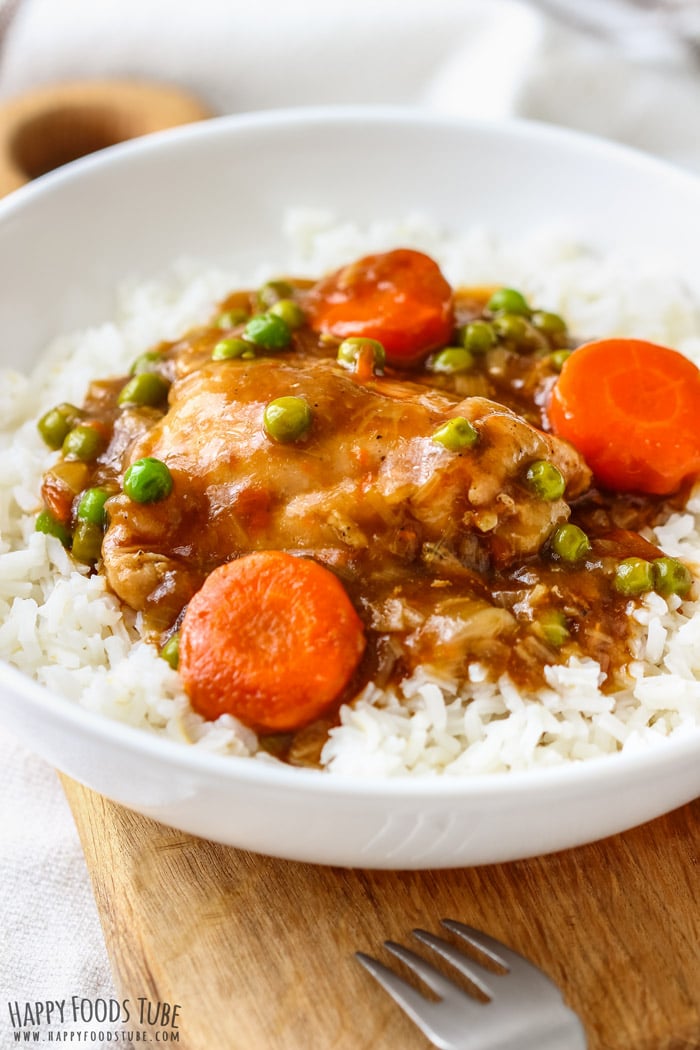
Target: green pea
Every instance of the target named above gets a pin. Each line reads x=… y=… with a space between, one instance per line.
x=548 y=323
x=146 y=388
x=226 y=349
x=92 y=506
x=456 y=434
x=552 y=626
x=512 y=327
x=570 y=543
x=272 y=291
x=349 y=351
x=87 y=542
x=671 y=577
x=477 y=336
x=452 y=360
x=290 y=312
x=508 y=301
x=45 y=522
x=558 y=359
x=171 y=650
x=55 y=424
x=83 y=442
x=148 y=480
x=268 y=331
x=231 y=318
x=545 y=480
x=634 y=576
x=287 y=419
x=146 y=362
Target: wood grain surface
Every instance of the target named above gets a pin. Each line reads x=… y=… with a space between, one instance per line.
x=45 y=128
x=258 y=952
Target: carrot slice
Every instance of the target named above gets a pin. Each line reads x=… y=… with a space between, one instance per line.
x=61 y=485
x=399 y=298
x=632 y=409
x=270 y=638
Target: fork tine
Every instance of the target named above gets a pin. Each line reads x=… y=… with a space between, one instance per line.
x=425 y=970
x=532 y=1015
x=423 y=1012
x=492 y=949
x=456 y=958
x=404 y=994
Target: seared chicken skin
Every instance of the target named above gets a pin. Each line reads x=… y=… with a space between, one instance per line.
x=368 y=482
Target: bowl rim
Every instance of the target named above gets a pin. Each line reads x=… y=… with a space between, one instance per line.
x=517 y=128
x=606 y=769
x=256 y=771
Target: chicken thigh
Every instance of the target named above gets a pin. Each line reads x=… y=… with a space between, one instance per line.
x=367 y=484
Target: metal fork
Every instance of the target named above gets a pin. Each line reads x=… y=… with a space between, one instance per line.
x=525 y=1009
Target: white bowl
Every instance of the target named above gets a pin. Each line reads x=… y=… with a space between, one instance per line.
x=222 y=187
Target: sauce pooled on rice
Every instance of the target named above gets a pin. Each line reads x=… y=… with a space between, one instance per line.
x=340 y=482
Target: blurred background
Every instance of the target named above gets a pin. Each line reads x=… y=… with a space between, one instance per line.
x=625 y=69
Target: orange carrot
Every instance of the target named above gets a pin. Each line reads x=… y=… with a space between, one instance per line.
x=632 y=409
x=270 y=638
x=61 y=485
x=399 y=298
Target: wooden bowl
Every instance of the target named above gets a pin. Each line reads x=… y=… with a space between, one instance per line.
x=51 y=126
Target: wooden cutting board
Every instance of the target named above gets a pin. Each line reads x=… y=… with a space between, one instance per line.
x=258 y=952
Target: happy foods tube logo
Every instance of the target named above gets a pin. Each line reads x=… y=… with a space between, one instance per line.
x=139 y=1020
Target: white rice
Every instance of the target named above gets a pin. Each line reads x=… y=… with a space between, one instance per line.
x=61 y=626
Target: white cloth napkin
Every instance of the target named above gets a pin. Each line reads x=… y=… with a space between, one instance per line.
x=486 y=58
x=478 y=58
